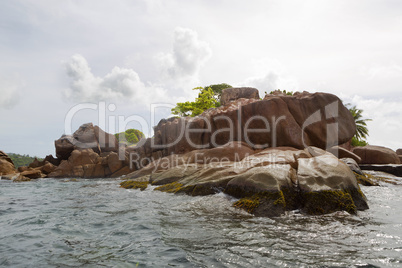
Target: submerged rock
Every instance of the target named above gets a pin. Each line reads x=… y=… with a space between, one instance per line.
x=395 y=170
x=268 y=182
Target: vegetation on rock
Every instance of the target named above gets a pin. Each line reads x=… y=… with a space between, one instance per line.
x=208 y=97
x=289 y=93
x=365 y=180
x=371 y=180
x=361 y=135
x=22 y=160
x=251 y=203
x=130 y=136
x=173 y=187
x=318 y=203
x=142 y=185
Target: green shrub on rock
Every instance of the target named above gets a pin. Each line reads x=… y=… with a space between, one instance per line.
x=130 y=136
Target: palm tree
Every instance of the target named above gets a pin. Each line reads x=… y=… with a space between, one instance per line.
x=361 y=126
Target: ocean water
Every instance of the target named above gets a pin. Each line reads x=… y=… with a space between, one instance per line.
x=94 y=223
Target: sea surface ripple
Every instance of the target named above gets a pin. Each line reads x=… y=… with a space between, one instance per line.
x=94 y=223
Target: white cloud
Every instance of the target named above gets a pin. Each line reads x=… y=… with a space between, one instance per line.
x=271 y=75
x=383 y=71
x=9 y=88
x=189 y=54
x=386 y=115
x=119 y=84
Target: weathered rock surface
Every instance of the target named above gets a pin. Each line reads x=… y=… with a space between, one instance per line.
x=399 y=152
x=89 y=153
x=269 y=182
x=86 y=137
x=371 y=154
x=352 y=164
x=85 y=163
x=305 y=119
x=6 y=164
x=33 y=174
x=232 y=94
x=341 y=152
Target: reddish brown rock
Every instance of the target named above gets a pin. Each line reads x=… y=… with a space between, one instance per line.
x=6 y=164
x=52 y=160
x=23 y=168
x=63 y=170
x=47 y=168
x=73 y=167
x=87 y=136
x=341 y=152
x=305 y=119
x=399 y=152
x=107 y=142
x=64 y=146
x=83 y=157
x=33 y=174
x=114 y=163
x=231 y=94
x=93 y=171
x=121 y=172
x=371 y=154
x=44 y=166
x=36 y=163
x=231 y=152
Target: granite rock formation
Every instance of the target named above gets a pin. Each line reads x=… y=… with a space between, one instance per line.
x=371 y=154
x=267 y=182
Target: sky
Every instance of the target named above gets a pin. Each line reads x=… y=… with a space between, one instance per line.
x=125 y=63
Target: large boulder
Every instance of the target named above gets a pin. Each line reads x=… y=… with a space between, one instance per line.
x=33 y=174
x=85 y=163
x=268 y=182
x=298 y=121
x=352 y=164
x=6 y=164
x=87 y=136
x=232 y=94
x=64 y=146
x=73 y=167
x=371 y=154
x=341 y=152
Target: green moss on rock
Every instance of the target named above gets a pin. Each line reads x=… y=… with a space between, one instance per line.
x=173 y=187
x=323 y=202
x=264 y=203
x=366 y=179
x=130 y=184
x=249 y=204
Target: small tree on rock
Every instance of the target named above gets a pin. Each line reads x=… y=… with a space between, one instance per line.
x=208 y=97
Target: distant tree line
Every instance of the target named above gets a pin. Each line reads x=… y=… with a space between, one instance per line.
x=20 y=160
